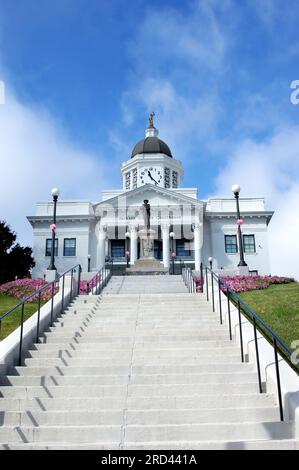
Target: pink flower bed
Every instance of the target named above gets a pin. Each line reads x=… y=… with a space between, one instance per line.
x=85 y=286
x=22 y=288
x=246 y=283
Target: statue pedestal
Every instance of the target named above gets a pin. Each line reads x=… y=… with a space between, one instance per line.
x=146 y=237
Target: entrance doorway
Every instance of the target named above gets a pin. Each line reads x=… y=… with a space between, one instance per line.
x=158 y=250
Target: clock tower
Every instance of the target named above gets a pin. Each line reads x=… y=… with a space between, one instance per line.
x=151 y=162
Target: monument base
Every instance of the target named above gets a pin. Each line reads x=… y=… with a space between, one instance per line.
x=147 y=266
x=146 y=237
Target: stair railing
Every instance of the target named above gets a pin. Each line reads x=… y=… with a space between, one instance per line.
x=52 y=286
x=219 y=286
x=100 y=280
x=189 y=279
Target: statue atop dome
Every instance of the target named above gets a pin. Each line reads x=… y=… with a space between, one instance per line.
x=151 y=119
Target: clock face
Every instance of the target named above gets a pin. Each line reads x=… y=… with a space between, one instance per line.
x=151 y=175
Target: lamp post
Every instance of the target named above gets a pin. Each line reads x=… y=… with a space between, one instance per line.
x=211 y=262
x=55 y=193
x=236 y=190
x=88 y=265
x=172 y=251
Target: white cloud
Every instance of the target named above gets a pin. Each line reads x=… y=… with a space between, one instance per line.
x=271 y=169
x=35 y=155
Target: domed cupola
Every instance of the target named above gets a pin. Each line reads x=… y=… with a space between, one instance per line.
x=151 y=144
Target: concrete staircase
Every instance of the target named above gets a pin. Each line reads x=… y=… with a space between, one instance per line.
x=138 y=371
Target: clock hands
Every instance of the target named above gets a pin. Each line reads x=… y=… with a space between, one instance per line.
x=149 y=174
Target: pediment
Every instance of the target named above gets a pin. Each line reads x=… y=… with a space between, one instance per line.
x=155 y=195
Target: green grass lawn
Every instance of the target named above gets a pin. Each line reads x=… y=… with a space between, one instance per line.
x=278 y=306
x=11 y=322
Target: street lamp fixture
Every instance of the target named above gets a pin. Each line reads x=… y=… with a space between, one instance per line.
x=55 y=193
x=211 y=262
x=236 y=190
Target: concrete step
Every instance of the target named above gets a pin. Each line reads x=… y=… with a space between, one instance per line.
x=150 y=340
x=45 y=348
x=202 y=402
x=282 y=444
x=219 y=431
x=133 y=417
x=138 y=351
x=126 y=348
x=125 y=370
x=175 y=379
x=120 y=359
x=60 y=434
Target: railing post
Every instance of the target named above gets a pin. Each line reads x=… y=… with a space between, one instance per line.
x=52 y=301
x=201 y=278
x=79 y=279
x=38 y=317
x=257 y=356
x=278 y=380
x=71 y=294
x=62 y=295
x=229 y=316
x=212 y=282
x=21 y=334
x=220 y=302
x=207 y=285
x=240 y=328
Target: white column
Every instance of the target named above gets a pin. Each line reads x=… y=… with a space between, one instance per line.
x=101 y=247
x=133 y=244
x=197 y=245
x=165 y=245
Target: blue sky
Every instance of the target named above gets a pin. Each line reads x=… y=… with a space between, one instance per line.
x=81 y=78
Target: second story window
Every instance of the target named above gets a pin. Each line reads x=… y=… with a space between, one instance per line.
x=69 y=247
x=49 y=247
x=231 y=244
x=249 y=243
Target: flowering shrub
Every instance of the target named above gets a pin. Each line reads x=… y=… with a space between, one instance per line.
x=86 y=286
x=246 y=283
x=22 y=288
x=197 y=280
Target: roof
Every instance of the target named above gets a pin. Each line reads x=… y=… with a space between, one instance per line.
x=151 y=145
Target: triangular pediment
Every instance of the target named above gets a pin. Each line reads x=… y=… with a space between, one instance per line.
x=154 y=194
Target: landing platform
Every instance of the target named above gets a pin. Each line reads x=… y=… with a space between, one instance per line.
x=147 y=267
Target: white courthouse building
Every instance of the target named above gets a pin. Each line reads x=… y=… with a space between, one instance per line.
x=181 y=223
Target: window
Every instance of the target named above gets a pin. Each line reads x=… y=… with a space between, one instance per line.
x=117 y=248
x=249 y=243
x=49 y=247
x=69 y=247
x=231 y=244
x=183 y=247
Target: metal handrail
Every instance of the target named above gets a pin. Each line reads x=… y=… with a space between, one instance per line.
x=99 y=280
x=189 y=280
x=257 y=323
x=38 y=293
